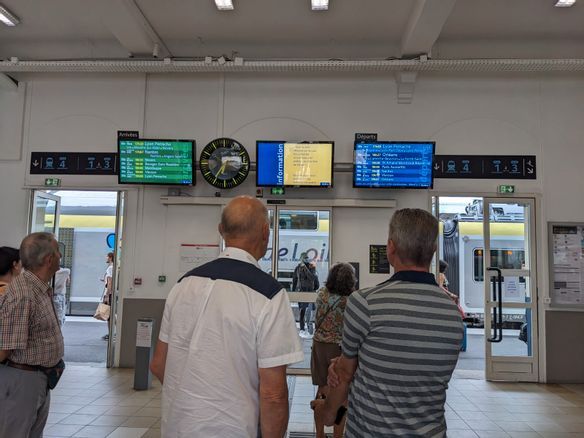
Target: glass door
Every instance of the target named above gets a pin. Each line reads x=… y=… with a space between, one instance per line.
x=458 y=268
x=510 y=290
x=112 y=323
x=303 y=244
x=268 y=262
x=45 y=212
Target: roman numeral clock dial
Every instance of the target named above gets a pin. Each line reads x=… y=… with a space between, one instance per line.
x=224 y=163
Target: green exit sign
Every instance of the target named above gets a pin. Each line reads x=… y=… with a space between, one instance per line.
x=52 y=182
x=506 y=189
x=277 y=191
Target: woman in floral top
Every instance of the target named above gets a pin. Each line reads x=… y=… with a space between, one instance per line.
x=330 y=308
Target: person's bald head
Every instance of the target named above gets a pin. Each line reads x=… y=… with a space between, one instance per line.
x=245 y=224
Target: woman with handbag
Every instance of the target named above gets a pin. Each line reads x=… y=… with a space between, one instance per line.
x=330 y=308
x=104 y=308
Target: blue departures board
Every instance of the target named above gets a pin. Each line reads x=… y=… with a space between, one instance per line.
x=393 y=164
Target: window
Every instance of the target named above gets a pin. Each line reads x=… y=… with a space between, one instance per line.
x=293 y=220
x=500 y=258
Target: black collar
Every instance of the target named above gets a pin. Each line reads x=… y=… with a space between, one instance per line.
x=414 y=277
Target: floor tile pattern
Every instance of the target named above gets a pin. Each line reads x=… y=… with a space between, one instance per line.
x=96 y=402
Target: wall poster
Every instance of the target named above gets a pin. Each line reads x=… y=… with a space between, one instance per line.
x=566 y=260
x=193 y=255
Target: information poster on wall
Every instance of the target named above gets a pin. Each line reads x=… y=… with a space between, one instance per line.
x=144 y=333
x=193 y=255
x=567 y=264
x=378 y=263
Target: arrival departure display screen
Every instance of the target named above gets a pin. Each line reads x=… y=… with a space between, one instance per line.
x=393 y=165
x=287 y=164
x=166 y=162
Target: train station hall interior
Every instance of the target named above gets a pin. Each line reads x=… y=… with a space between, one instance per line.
x=127 y=126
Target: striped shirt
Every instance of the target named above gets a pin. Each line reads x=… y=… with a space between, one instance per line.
x=406 y=333
x=28 y=322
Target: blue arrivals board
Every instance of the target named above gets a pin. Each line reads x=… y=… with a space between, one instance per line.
x=393 y=165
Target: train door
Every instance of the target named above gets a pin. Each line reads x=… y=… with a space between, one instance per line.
x=510 y=290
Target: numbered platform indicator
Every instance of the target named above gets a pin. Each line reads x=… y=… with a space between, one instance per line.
x=73 y=163
x=485 y=166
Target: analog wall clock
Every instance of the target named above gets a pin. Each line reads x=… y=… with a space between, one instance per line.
x=224 y=163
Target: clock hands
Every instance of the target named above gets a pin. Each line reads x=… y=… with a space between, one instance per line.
x=222 y=169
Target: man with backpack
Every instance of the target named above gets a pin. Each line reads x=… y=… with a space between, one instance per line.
x=305 y=279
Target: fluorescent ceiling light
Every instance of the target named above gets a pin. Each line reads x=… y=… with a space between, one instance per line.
x=8 y=18
x=224 y=5
x=565 y=3
x=319 y=5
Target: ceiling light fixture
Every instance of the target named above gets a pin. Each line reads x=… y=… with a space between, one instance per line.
x=319 y=5
x=224 y=5
x=7 y=17
x=565 y=3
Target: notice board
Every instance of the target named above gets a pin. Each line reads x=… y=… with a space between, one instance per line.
x=566 y=264
x=378 y=263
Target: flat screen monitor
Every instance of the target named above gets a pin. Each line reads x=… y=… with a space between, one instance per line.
x=392 y=164
x=290 y=164
x=163 y=162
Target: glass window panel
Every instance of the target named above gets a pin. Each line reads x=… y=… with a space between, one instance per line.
x=509 y=232
x=294 y=240
x=266 y=261
x=517 y=334
x=44 y=215
x=500 y=258
x=303 y=232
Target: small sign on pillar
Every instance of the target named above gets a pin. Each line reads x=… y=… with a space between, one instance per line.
x=144 y=352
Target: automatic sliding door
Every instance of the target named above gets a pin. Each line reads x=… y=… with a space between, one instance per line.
x=303 y=245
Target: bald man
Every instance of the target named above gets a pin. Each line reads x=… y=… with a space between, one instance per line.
x=227 y=335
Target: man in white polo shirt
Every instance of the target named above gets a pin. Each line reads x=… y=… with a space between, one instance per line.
x=227 y=335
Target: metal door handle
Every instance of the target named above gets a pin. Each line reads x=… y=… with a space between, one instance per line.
x=498 y=310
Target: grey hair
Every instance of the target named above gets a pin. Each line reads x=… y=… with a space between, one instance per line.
x=414 y=233
x=341 y=279
x=245 y=223
x=35 y=248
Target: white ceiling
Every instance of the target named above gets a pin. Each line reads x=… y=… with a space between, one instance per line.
x=283 y=29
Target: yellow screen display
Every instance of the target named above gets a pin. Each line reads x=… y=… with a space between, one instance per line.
x=308 y=164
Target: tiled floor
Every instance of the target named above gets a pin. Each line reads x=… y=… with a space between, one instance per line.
x=97 y=402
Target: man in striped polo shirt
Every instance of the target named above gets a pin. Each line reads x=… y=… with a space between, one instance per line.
x=400 y=343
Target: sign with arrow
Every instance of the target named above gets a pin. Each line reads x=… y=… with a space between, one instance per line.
x=485 y=166
x=73 y=163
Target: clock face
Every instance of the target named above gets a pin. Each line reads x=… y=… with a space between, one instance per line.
x=224 y=163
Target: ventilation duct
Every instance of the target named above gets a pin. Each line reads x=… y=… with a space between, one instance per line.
x=183 y=66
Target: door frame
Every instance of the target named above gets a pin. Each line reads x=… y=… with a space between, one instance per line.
x=111 y=358
x=115 y=325
x=531 y=273
x=540 y=233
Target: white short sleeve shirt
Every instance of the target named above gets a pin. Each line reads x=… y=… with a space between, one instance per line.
x=222 y=322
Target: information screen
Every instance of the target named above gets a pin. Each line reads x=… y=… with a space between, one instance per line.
x=165 y=162
x=393 y=164
x=287 y=164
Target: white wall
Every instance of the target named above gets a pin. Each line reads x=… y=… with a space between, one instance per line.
x=514 y=114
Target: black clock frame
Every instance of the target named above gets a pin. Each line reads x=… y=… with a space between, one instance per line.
x=213 y=179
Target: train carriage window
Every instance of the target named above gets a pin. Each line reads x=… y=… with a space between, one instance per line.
x=293 y=220
x=500 y=258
